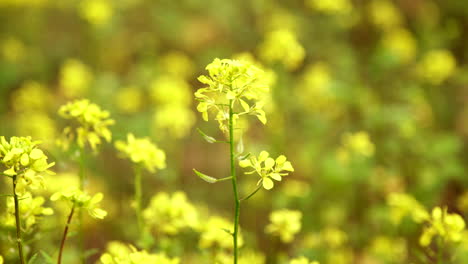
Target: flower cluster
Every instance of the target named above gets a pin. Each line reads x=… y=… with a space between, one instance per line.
x=80 y=199
x=143 y=152
x=231 y=83
x=302 y=260
x=448 y=226
x=331 y=6
x=25 y=161
x=285 y=224
x=31 y=210
x=282 y=46
x=216 y=233
x=403 y=205
x=96 y=12
x=170 y=214
x=267 y=168
x=92 y=124
x=119 y=253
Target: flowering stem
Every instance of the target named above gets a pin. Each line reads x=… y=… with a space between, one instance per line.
x=65 y=232
x=80 y=213
x=18 y=223
x=234 y=181
x=138 y=195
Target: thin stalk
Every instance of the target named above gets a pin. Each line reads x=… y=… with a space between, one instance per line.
x=234 y=182
x=138 y=197
x=252 y=194
x=18 y=224
x=65 y=232
x=80 y=213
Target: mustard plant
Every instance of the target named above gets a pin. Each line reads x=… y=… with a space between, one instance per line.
x=89 y=125
x=144 y=155
x=24 y=163
x=120 y=253
x=235 y=89
x=78 y=200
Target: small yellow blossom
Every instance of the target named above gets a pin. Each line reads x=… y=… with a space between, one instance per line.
x=177 y=64
x=302 y=260
x=143 y=152
x=285 y=224
x=129 y=99
x=267 y=168
x=80 y=199
x=402 y=205
x=384 y=14
x=31 y=96
x=400 y=43
x=448 y=226
x=331 y=6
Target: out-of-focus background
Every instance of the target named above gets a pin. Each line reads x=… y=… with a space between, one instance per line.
x=369 y=98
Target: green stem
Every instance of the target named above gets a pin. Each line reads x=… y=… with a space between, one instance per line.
x=80 y=212
x=18 y=224
x=252 y=194
x=138 y=197
x=65 y=232
x=234 y=181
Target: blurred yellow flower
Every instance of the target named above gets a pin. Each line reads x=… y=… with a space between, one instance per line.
x=401 y=43
x=216 y=233
x=31 y=96
x=402 y=205
x=30 y=211
x=170 y=214
x=302 y=260
x=448 y=226
x=91 y=124
x=282 y=46
x=37 y=125
x=358 y=144
x=75 y=78
x=285 y=224
x=166 y=90
x=143 y=152
x=331 y=6
x=129 y=99
x=13 y=49
x=176 y=120
x=177 y=64
x=437 y=66
x=96 y=12
x=81 y=199
x=384 y=14
x=120 y=253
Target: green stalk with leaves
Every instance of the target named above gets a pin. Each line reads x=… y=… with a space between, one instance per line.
x=235 y=89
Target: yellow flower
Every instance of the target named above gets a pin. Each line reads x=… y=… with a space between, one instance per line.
x=400 y=42
x=23 y=160
x=170 y=90
x=216 y=233
x=384 y=14
x=302 y=260
x=92 y=124
x=285 y=224
x=120 y=253
x=96 y=12
x=230 y=81
x=404 y=205
x=448 y=226
x=358 y=143
x=31 y=96
x=267 y=168
x=331 y=6
x=129 y=99
x=75 y=78
x=170 y=214
x=177 y=64
x=143 y=152
x=282 y=46
x=81 y=199
x=31 y=211
x=437 y=66
x=176 y=120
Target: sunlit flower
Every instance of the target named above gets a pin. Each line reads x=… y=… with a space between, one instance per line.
x=75 y=78
x=120 y=253
x=285 y=224
x=282 y=46
x=80 y=199
x=267 y=168
x=437 y=66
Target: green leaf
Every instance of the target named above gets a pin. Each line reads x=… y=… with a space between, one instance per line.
x=47 y=257
x=205 y=177
x=206 y=137
x=33 y=258
x=91 y=252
